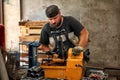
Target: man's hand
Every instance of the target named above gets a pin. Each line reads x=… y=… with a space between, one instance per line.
x=76 y=50
x=44 y=48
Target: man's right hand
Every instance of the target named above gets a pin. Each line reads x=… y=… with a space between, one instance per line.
x=45 y=48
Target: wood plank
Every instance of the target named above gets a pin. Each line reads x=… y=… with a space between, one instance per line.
x=36 y=23
x=29 y=38
x=23 y=55
x=36 y=27
x=22 y=30
x=34 y=31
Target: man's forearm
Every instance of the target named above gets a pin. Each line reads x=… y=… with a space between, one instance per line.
x=83 y=38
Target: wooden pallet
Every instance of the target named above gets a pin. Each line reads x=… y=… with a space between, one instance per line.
x=29 y=32
x=31 y=27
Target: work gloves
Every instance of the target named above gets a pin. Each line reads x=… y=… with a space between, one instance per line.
x=76 y=50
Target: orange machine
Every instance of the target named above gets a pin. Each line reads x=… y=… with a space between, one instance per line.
x=70 y=69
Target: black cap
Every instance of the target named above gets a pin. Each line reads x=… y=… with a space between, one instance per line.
x=52 y=11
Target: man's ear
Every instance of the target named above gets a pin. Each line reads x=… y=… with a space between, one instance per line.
x=59 y=13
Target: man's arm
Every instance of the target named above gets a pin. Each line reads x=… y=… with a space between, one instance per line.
x=82 y=43
x=83 y=38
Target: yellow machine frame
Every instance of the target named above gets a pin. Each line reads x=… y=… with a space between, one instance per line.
x=73 y=70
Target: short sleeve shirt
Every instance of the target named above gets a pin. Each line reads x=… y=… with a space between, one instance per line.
x=69 y=24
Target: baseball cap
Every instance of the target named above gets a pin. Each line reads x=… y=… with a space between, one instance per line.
x=52 y=11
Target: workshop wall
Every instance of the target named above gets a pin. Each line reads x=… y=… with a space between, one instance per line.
x=36 y=10
x=100 y=17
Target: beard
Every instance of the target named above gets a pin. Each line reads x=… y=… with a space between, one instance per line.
x=55 y=25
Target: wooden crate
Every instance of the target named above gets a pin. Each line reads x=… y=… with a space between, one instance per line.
x=29 y=32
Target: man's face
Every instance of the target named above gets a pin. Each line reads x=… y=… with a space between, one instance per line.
x=55 y=21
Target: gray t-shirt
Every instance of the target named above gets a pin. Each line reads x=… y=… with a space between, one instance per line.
x=70 y=24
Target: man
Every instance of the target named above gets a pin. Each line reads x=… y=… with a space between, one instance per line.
x=65 y=28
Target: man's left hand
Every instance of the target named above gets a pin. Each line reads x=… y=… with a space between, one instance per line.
x=76 y=50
